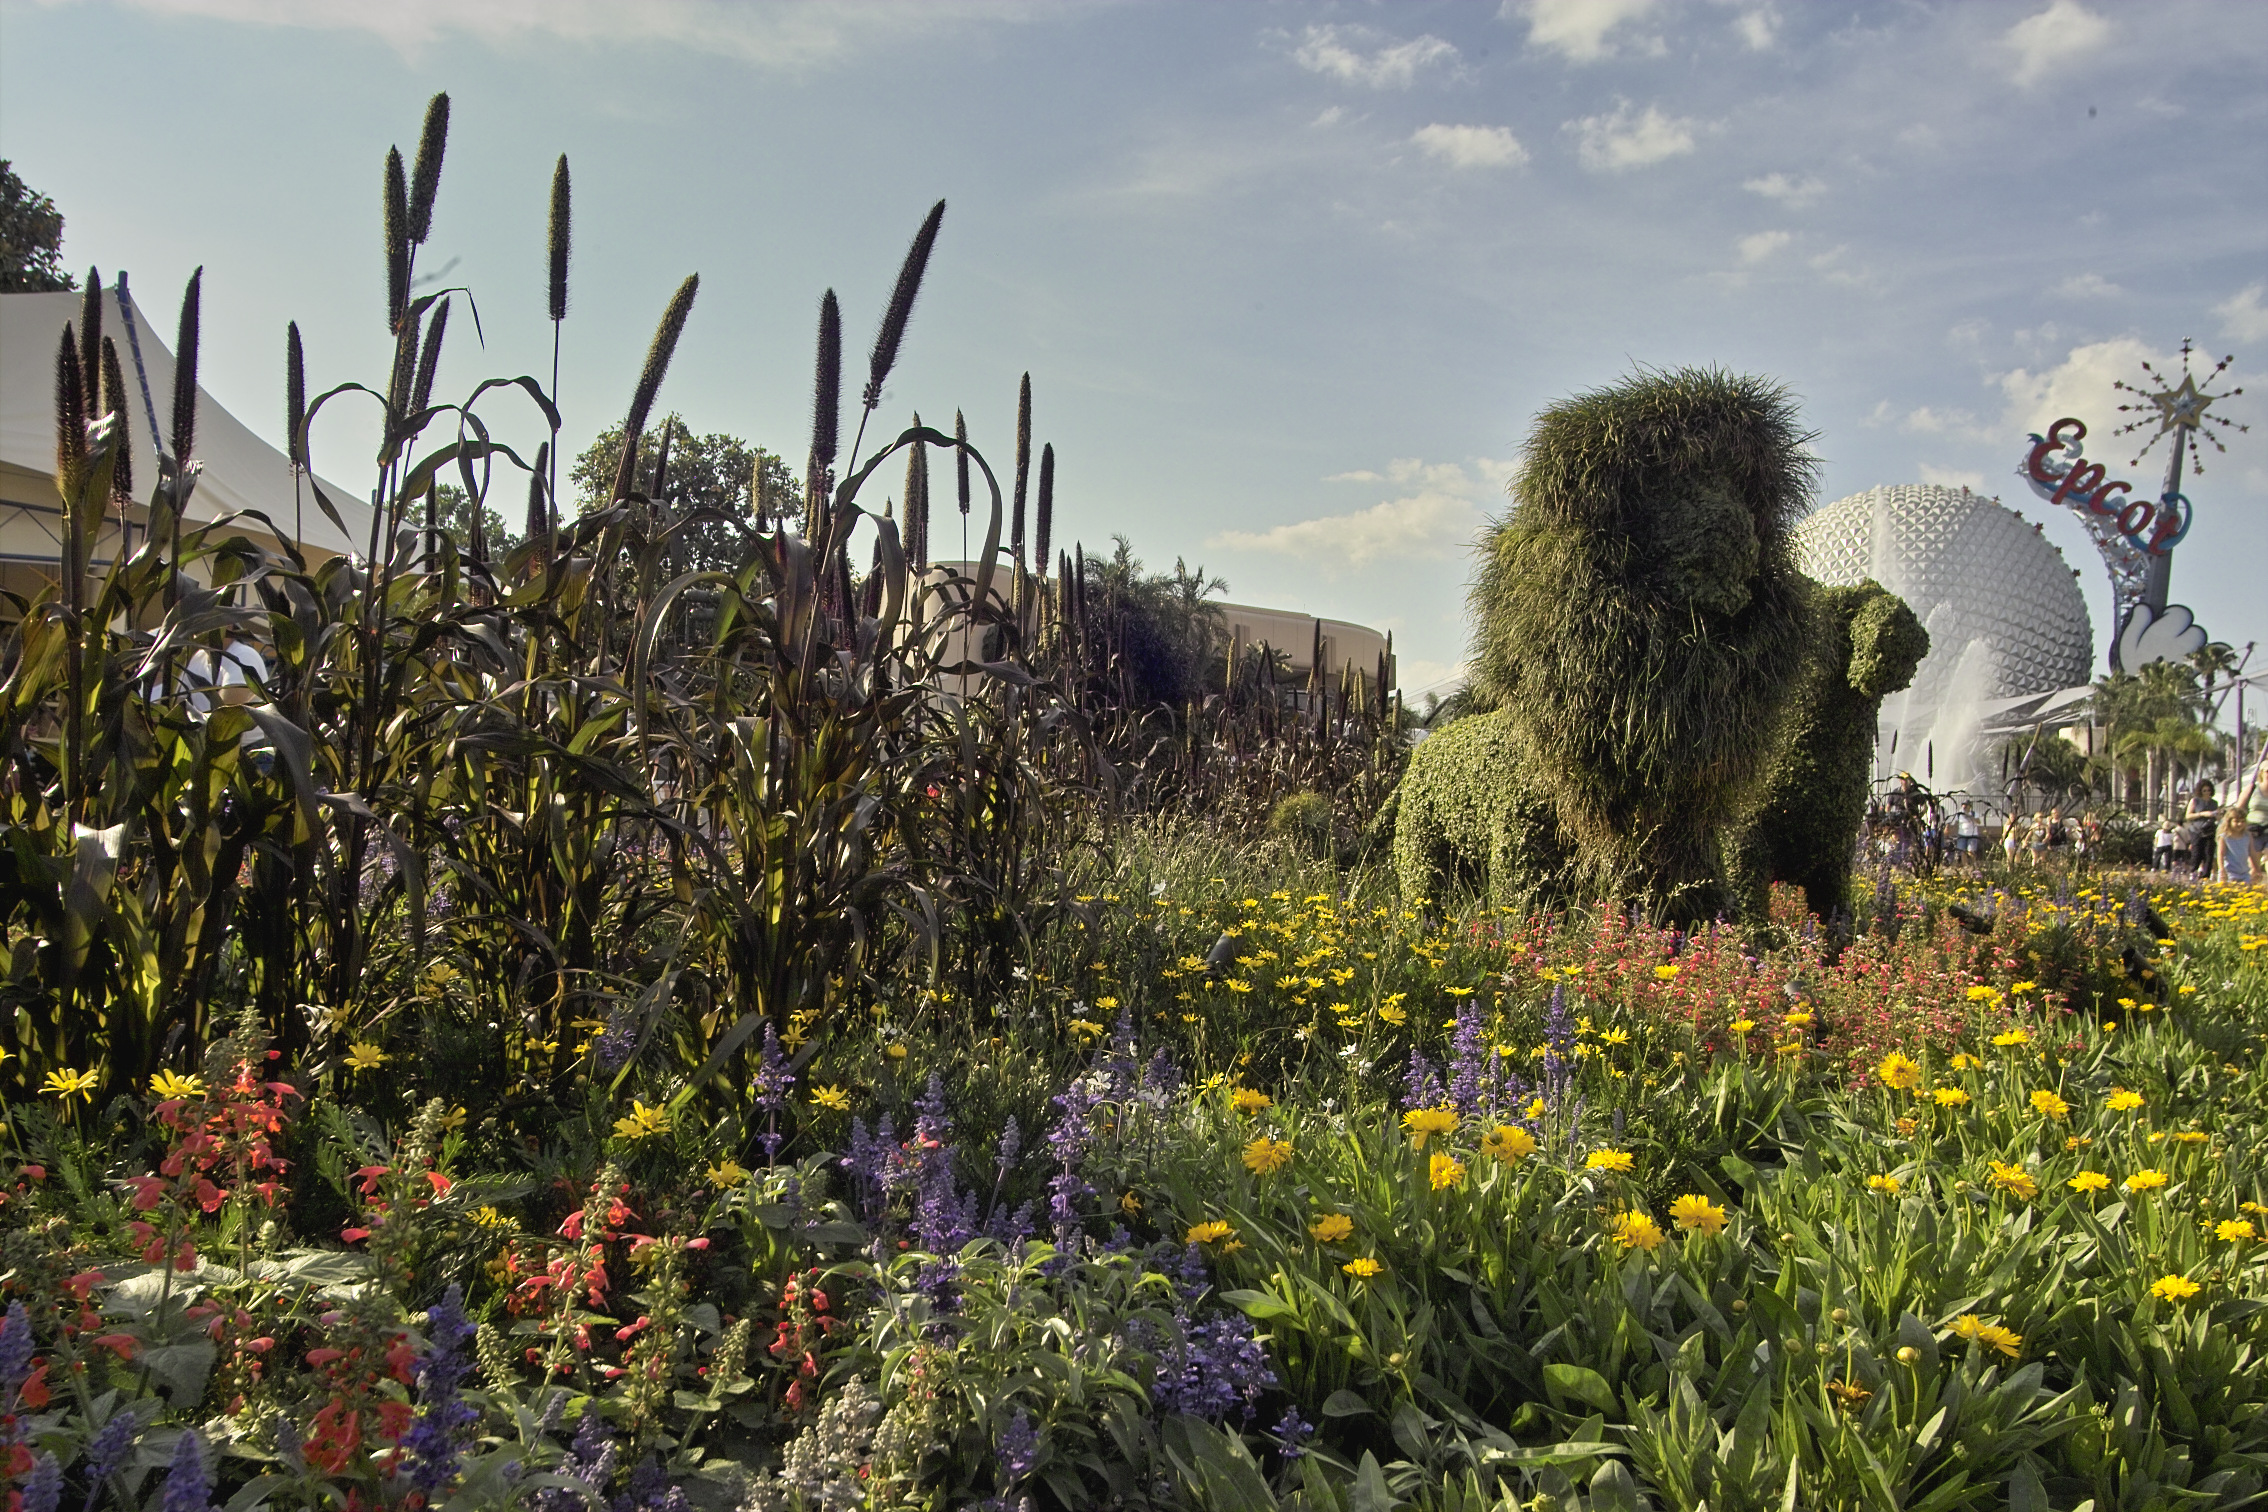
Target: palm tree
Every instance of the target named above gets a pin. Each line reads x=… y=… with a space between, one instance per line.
x=2213 y=660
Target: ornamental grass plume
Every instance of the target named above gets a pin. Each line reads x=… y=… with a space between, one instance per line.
x=425 y=177
x=658 y=355
x=899 y=311
x=185 y=367
x=114 y=404
x=1023 y=467
x=395 y=229
x=558 y=237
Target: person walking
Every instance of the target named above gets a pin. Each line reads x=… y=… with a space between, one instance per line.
x=2235 y=847
x=2252 y=804
x=2202 y=819
x=2161 y=847
x=1968 y=835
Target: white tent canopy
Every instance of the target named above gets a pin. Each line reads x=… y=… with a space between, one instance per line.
x=241 y=471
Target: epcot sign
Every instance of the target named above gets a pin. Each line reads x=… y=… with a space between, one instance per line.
x=2136 y=536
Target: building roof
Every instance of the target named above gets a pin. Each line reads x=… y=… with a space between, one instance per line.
x=242 y=472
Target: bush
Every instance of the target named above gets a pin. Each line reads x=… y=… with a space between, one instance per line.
x=1304 y=820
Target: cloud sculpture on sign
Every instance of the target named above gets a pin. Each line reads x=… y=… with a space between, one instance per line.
x=2162 y=637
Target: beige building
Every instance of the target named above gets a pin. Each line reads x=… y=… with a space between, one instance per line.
x=241 y=472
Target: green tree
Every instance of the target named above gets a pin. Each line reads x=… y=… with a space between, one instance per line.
x=1161 y=629
x=453 y=513
x=715 y=473
x=31 y=239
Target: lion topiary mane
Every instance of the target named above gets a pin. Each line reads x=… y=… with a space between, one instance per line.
x=1638 y=623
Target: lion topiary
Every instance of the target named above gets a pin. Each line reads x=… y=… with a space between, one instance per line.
x=1638 y=624
x=1865 y=646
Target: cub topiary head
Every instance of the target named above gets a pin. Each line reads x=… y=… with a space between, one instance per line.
x=1887 y=643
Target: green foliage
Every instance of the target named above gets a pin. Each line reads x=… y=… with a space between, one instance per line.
x=1864 y=645
x=1304 y=820
x=712 y=483
x=1471 y=821
x=31 y=239
x=1639 y=617
x=1164 y=633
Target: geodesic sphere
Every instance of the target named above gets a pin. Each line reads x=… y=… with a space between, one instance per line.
x=2005 y=615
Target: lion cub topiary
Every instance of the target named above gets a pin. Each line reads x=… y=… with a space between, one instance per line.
x=1865 y=646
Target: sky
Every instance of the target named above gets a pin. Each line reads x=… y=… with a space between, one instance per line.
x=1291 y=280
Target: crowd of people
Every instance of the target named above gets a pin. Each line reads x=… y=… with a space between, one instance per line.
x=2205 y=838
x=2225 y=841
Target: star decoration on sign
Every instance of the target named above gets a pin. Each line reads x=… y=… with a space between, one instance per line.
x=2179 y=410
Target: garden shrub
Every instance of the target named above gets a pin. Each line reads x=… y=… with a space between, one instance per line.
x=1303 y=819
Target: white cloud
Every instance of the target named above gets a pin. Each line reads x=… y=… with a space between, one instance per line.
x=1834 y=266
x=1929 y=421
x=2087 y=286
x=2243 y=316
x=1793 y=192
x=1612 y=143
x=2063 y=33
x=1471 y=146
x=1354 y=53
x=793 y=35
x=1758 y=27
x=2079 y=385
x=1435 y=514
x=1331 y=116
x=1582 y=31
x=1754 y=249
x=1952 y=477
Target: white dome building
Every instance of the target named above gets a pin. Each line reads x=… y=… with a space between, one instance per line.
x=2005 y=617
